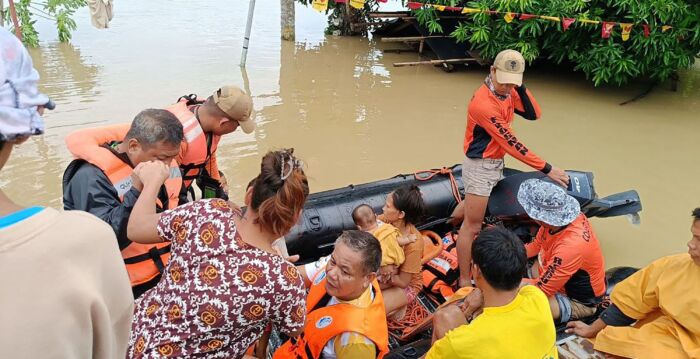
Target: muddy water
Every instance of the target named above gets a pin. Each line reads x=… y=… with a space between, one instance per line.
x=352 y=116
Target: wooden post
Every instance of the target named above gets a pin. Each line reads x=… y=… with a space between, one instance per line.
x=15 y=22
x=287 y=19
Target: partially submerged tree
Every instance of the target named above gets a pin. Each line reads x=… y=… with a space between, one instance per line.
x=603 y=60
x=59 y=11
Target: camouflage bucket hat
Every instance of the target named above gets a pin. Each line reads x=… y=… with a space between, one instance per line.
x=547 y=202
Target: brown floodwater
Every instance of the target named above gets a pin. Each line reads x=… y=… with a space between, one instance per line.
x=352 y=116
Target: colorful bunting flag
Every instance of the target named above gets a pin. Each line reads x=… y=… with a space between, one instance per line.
x=382 y=0
x=341 y=1
x=626 y=29
x=320 y=5
x=413 y=5
x=607 y=28
x=586 y=21
x=357 y=4
x=509 y=17
x=566 y=22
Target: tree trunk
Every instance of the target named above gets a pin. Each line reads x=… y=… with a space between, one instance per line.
x=15 y=22
x=2 y=13
x=287 y=19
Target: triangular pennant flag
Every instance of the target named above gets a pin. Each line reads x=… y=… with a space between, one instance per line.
x=468 y=10
x=606 y=29
x=647 y=30
x=566 y=22
x=414 y=5
x=666 y=28
x=357 y=4
x=586 y=21
x=452 y=8
x=550 y=18
x=382 y=0
x=509 y=17
x=626 y=29
x=439 y=7
x=527 y=16
x=341 y=1
x=320 y=5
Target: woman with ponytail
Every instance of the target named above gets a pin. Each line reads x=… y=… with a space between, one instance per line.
x=224 y=281
x=403 y=209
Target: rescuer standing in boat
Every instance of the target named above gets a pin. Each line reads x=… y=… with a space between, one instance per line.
x=487 y=139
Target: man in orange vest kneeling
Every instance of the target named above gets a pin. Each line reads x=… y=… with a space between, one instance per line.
x=100 y=181
x=345 y=309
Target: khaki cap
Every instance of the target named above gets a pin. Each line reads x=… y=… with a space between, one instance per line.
x=237 y=105
x=510 y=66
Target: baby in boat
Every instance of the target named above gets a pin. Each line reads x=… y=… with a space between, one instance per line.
x=389 y=238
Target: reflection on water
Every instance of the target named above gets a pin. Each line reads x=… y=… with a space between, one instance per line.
x=355 y=118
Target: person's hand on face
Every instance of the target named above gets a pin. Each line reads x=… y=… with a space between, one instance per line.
x=152 y=172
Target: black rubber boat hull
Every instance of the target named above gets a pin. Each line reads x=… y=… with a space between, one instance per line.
x=326 y=214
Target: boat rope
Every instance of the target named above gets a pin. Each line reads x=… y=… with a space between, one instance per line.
x=406 y=327
x=443 y=171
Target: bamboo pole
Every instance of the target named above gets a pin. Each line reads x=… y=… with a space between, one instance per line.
x=412 y=38
x=434 y=62
x=15 y=22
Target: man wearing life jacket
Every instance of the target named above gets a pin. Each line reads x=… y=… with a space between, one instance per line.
x=345 y=316
x=487 y=139
x=570 y=266
x=204 y=123
x=100 y=181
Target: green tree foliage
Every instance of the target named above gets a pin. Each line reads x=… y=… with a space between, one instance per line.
x=604 y=61
x=59 y=11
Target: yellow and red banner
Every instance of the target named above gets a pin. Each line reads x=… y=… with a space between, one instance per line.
x=320 y=5
x=606 y=29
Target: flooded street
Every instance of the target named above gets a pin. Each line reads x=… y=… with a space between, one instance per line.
x=352 y=116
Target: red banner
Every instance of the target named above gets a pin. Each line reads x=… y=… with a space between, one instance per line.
x=566 y=22
x=607 y=28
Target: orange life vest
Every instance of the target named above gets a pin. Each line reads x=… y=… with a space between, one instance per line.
x=144 y=262
x=442 y=272
x=195 y=150
x=198 y=147
x=323 y=323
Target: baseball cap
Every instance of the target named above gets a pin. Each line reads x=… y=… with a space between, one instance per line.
x=510 y=66
x=237 y=105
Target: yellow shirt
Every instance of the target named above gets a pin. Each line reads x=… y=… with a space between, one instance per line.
x=665 y=297
x=388 y=237
x=524 y=328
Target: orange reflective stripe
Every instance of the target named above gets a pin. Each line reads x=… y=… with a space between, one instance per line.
x=327 y=322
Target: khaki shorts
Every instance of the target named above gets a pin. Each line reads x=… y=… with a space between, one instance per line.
x=480 y=175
